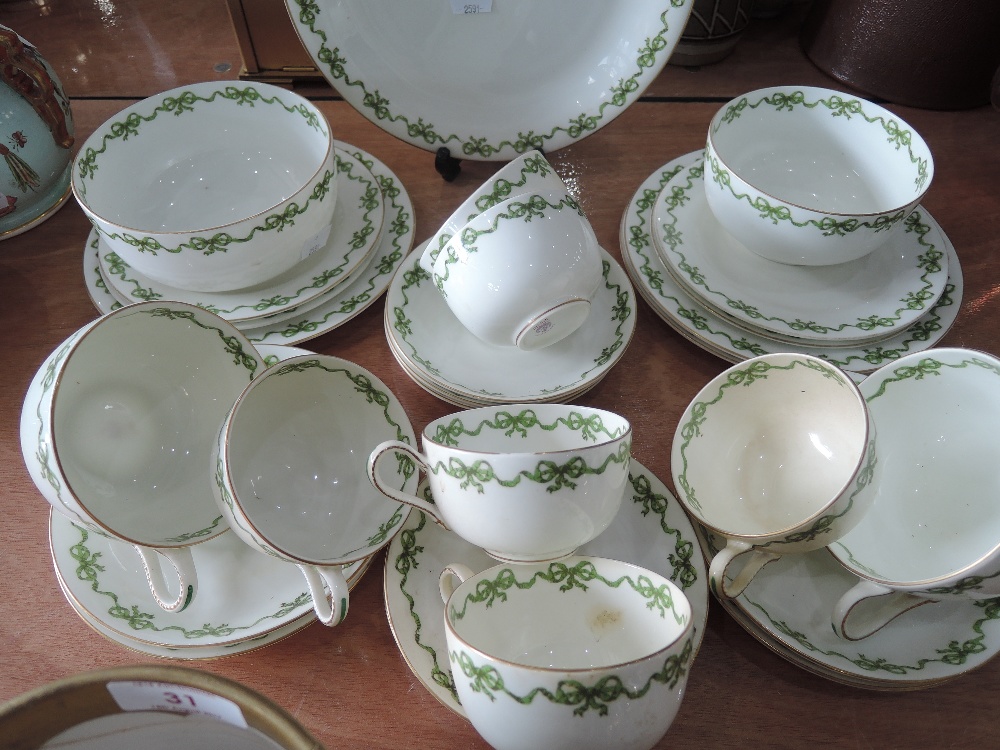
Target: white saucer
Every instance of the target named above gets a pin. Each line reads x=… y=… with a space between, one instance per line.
x=706 y=329
x=436 y=350
x=846 y=304
x=789 y=603
x=245 y=599
x=358 y=220
x=344 y=302
x=650 y=530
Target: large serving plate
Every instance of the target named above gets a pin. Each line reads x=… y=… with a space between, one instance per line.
x=702 y=326
x=651 y=530
x=490 y=80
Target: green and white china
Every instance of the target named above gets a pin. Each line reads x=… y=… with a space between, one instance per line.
x=812 y=176
x=651 y=530
x=523 y=272
x=117 y=420
x=211 y=186
x=441 y=355
x=490 y=85
x=290 y=470
x=586 y=652
x=848 y=304
x=526 y=482
x=703 y=326
x=933 y=533
x=778 y=455
x=787 y=608
x=358 y=221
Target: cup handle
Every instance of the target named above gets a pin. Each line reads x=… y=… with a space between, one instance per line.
x=331 y=601
x=757 y=559
x=183 y=564
x=375 y=460
x=868 y=607
x=446 y=581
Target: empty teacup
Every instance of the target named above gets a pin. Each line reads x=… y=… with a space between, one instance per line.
x=523 y=272
x=117 y=422
x=528 y=173
x=776 y=454
x=290 y=470
x=933 y=532
x=524 y=482
x=812 y=176
x=582 y=653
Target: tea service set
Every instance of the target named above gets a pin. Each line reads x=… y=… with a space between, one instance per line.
x=172 y=419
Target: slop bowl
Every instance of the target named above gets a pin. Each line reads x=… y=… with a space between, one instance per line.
x=212 y=186
x=811 y=176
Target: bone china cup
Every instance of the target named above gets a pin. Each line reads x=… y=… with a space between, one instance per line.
x=812 y=176
x=933 y=533
x=528 y=173
x=290 y=470
x=777 y=455
x=524 y=482
x=117 y=424
x=213 y=186
x=523 y=272
x=582 y=653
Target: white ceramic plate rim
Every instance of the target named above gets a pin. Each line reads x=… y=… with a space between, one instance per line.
x=707 y=330
x=815 y=304
x=421 y=639
x=412 y=68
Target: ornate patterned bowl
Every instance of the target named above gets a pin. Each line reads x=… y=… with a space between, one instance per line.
x=811 y=176
x=36 y=138
x=213 y=186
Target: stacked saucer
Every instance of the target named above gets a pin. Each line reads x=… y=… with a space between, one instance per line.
x=372 y=232
x=856 y=315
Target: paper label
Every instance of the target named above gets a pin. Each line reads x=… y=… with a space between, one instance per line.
x=136 y=695
x=465 y=8
x=317 y=242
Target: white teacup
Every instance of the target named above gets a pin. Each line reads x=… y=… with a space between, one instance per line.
x=525 y=482
x=776 y=454
x=522 y=273
x=933 y=532
x=528 y=173
x=290 y=470
x=117 y=422
x=582 y=653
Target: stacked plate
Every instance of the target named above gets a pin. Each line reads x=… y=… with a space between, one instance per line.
x=737 y=305
x=104 y=582
x=372 y=232
x=445 y=359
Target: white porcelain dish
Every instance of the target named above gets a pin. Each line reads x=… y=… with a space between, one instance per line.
x=357 y=226
x=787 y=608
x=211 y=186
x=706 y=329
x=651 y=531
x=489 y=81
x=423 y=332
x=836 y=305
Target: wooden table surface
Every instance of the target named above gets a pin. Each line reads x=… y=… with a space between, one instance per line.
x=349 y=686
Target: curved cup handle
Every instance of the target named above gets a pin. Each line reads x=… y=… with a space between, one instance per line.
x=757 y=559
x=868 y=607
x=183 y=564
x=331 y=601
x=446 y=581
x=375 y=460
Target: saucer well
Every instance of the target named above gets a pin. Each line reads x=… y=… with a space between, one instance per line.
x=357 y=225
x=706 y=329
x=789 y=603
x=845 y=304
x=436 y=349
x=650 y=530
